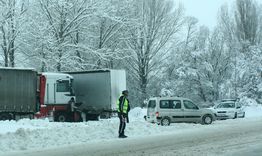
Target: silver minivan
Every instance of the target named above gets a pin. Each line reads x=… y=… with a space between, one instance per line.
x=166 y=110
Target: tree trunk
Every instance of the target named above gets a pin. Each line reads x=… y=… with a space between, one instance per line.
x=59 y=65
x=12 y=44
x=4 y=47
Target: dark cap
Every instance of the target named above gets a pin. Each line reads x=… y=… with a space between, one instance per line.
x=125 y=92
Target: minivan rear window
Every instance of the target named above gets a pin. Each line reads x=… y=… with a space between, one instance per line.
x=152 y=104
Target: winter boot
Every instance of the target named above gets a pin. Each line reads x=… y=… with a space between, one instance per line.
x=122 y=136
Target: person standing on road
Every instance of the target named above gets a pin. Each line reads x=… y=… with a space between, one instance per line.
x=123 y=108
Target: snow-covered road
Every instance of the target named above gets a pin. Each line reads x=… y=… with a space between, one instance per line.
x=41 y=137
x=234 y=137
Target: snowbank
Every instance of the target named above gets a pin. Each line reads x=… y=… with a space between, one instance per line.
x=253 y=111
x=137 y=113
x=37 y=134
x=251 y=107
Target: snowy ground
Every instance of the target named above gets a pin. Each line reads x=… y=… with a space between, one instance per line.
x=38 y=134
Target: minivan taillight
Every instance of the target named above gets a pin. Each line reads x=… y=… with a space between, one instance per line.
x=157 y=114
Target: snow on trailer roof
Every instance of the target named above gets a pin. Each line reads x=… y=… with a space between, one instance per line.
x=92 y=71
x=17 y=68
x=53 y=74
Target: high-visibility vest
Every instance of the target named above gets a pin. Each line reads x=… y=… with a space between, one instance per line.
x=125 y=104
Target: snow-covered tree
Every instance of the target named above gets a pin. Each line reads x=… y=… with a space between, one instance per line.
x=106 y=35
x=149 y=38
x=246 y=17
x=11 y=21
x=242 y=35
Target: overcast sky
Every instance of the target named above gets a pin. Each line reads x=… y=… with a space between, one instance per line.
x=204 y=10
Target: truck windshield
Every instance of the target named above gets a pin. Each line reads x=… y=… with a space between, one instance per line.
x=63 y=86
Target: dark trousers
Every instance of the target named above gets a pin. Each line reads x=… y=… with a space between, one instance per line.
x=122 y=125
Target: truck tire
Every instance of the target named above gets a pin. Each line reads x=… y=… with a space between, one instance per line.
x=61 y=117
x=5 y=116
x=31 y=116
x=92 y=117
x=235 y=116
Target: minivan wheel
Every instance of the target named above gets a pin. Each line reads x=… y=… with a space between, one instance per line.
x=165 y=121
x=207 y=119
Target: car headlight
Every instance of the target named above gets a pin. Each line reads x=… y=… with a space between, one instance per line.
x=230 y=111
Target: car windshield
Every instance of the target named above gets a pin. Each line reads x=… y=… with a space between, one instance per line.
x=226 y=105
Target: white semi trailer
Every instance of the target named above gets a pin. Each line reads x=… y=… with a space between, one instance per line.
x=98 y=91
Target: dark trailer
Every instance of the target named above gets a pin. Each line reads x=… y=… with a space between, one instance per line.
x=18 y=93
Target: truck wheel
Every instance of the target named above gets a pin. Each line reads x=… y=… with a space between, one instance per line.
x=207 y=119
x=235 y=115
x=31 y=116
x=5 y=117
x=61 y=117
x=93 y=117
x=165 y=121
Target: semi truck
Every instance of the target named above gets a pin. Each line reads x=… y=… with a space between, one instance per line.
x=98 y=91
x=68 y=96
x=56 y=97
x=27 y=93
